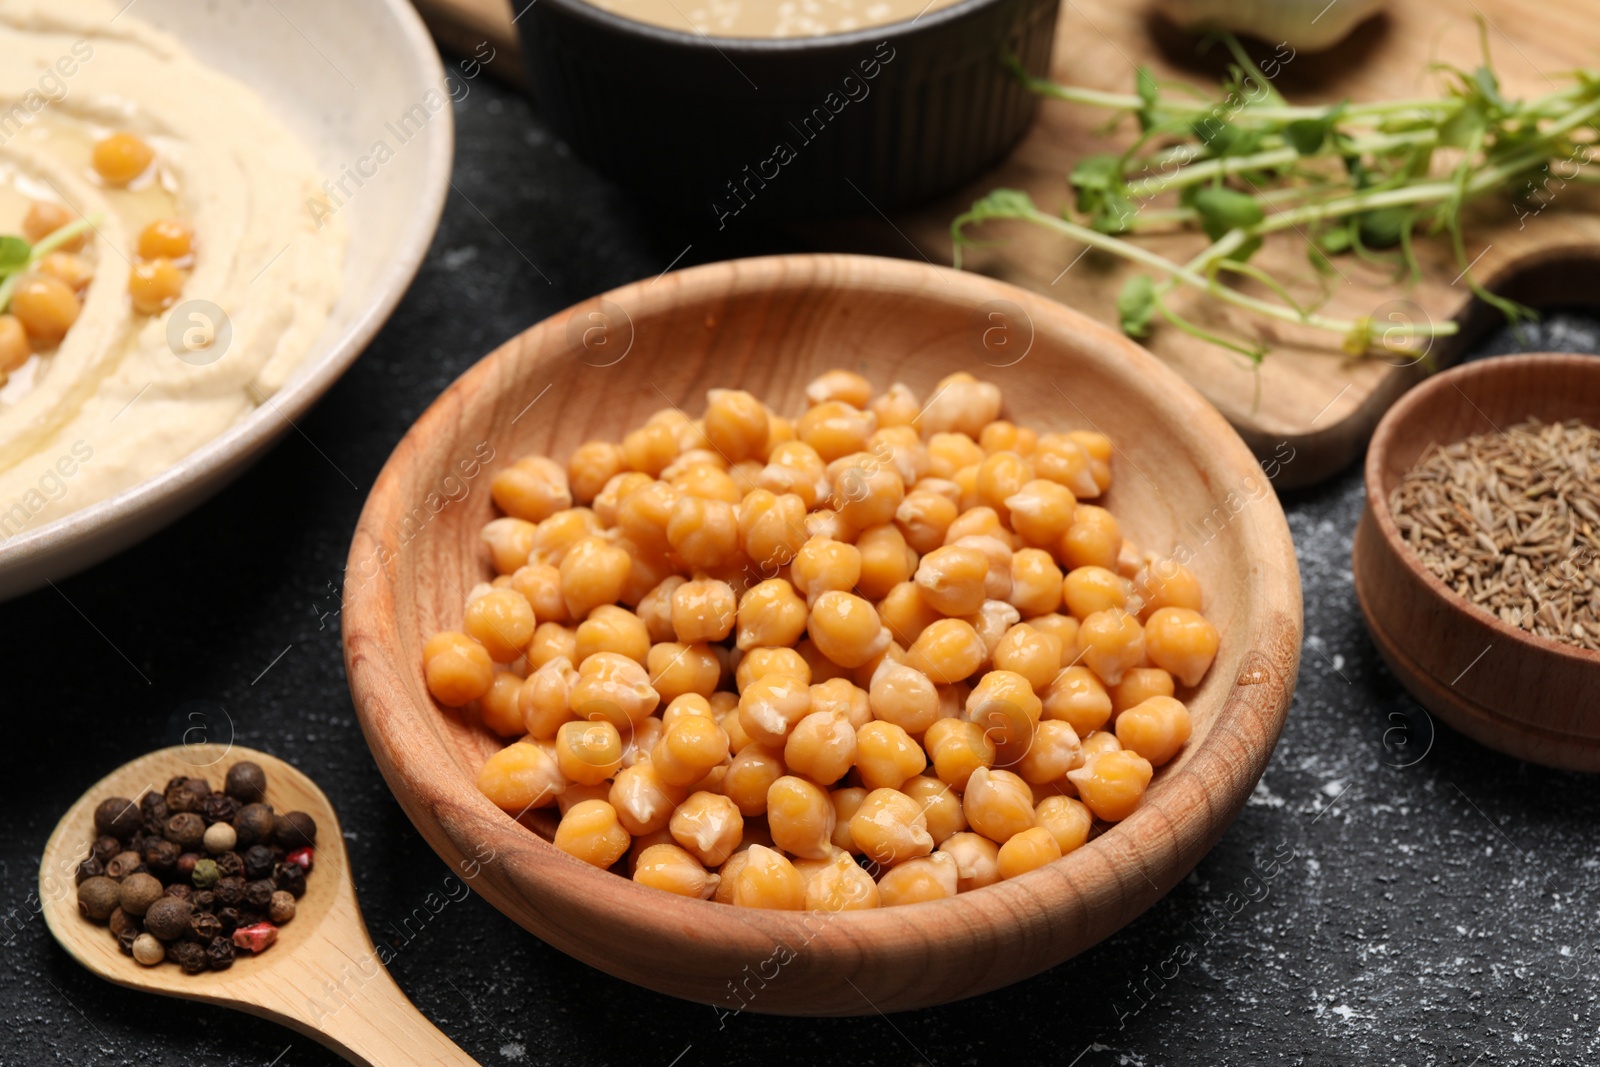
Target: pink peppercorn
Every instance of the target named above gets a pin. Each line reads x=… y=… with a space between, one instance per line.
x=256 y=938
x=300 y=856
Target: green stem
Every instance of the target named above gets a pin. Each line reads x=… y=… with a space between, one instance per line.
x=48 y=244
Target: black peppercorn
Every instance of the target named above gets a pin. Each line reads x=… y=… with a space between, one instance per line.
x=219 y=954
x=204 y=926
x=190 y=956
x=168 y=918
x=290 y=876
x=90 y=868
x=258 y=861
x=230 y=918
x=106 y=846
x=187 y=794
x=254 y=825
x=218 y=808
x=154 y=806
x=246 y=782
x=161 y=855
x=119 y=817
x=295 y=829
x=258 y=894
x=123 y=864
x=181 y=891
x=229 y=865
x=125 y=940
x=120 y=921
x=203 y=900
x=229 y=891
x=187 y=829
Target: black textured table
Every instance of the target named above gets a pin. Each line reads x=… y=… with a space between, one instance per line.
x=1388 y=896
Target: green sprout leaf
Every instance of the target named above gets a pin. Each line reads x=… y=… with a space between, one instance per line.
x=1222 y=209
x=1136 y=306
x=14 y=253
x=1383 y=227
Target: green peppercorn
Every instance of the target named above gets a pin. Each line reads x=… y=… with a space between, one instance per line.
x=187 y=829
x=282 y=907
x=168 y=918
x=295 y=829
x=138 y=892
x=205 y=874
x=118 y=817
x=98 y=897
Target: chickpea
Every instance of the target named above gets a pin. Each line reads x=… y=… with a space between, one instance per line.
x=801 y=817
x=1065 y=629
x=1000 y=477
x=896 y=406
x=45 y=217
x=842 y=385
x=822 y=746
x=771 y=706
x=768 y=880
x=588 y=752
x=708 y=826
x=615 y=689
x=842 y=697
x=998 y=804
x=643 y=515
x=1093 y=540
x=949 y=650
x=889 y=827
x=1182 y=641
x=886 y=755
x=155 y=285
x=703 y=532
x=1034 y=654
x=1099 y=448
x=918 y=880
x=703 y=610
x=1112 y=784
x=667 y=867
x=552 y=640
x=501 y=620
x=771 y=615
x=679 y=670
x=835 y=429
x=560 y=532
x=72 y=271
x=736 y=424
x=1067 y=819
x=1155 y=729
x=702 y=478
x=822 y=668
x=121 y=157
x=166 y=238
x=1112 y=643
x=593 y=573
x=1166 y=584
x=839 y=884
x=643 y=802
x=953 y=579
x=591 y=467
x=992 y=622
x=1139 y=685
x=458 y=669
x=760 y=662
x=1064 y=461
x=1053 y=751
x=977 y=860
x=904 y=696
x=795 y=467
x=772 y=528
x=951 y=452
x=905 y=614
x=501 y=712
x=847 y=629
x=957 y=748
x=650 y=448
x=866 y=492
x=822 y=564
x=1023 y=852
x=923 y=517
x=655 y=608
x=618 y=488
x=962 y=404
x=590 y=831
x=1086 y=590
x=520 y=777
x=689 y=749
x=14 y=347
x=886 y=561
x=543 y=698
x=941 y=806
x=1035 y=582
x=1004 y=705
x=532 y=488
x=46 y=307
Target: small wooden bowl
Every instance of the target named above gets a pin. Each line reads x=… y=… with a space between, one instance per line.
x=1525 y=695
x=769 y=325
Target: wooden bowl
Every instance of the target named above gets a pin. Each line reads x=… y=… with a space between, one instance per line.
x=1525 y=695
x=769 y=325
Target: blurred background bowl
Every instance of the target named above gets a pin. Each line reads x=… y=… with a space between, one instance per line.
x=1522 y=694
x=1183 y=478
x=300 y=57
x=874 y=119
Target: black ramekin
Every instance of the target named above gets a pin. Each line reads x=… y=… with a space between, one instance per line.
x=734 y=129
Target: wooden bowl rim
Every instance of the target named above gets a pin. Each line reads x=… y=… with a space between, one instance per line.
x=1190 y=809
x=1378 y=503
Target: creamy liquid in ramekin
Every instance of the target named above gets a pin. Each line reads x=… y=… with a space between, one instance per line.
x=770 y=18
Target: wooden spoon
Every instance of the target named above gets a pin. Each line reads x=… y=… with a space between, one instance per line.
x=324 y=977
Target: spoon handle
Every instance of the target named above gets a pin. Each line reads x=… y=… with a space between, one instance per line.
x=368 y=1020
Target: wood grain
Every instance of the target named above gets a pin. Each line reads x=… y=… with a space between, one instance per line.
x=768 y=326
x=1313 y=399
x=1522 y=694
x=323 y=978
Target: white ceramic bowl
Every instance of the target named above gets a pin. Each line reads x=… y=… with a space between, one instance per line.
x=335 y=73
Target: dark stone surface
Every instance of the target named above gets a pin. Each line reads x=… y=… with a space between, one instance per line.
x=1441 y=912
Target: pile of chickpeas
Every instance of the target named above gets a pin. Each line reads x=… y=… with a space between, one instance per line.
x=47 y=300
x=877 y=654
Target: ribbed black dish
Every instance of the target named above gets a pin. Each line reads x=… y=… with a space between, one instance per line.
x=729 y=129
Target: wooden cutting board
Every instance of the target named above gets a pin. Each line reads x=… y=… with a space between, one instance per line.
x=1310 y=408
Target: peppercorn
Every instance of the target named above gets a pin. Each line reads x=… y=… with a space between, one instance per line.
x=254 y=824
x=154 y=806
x=119 y=817
x=229 y=891
x=138 y=891
x=205 y=874
x=218 y=808
x=257 y=938
x=230 y=918
x=246 y=782
x=120 y=920
x=219 y=954
x=123 y=864
x=148 y=951
x=290 y=876
x=168 y=918
x=203 y=927
x=229 y=865
x=106 y=846
x=184 y=868
x=204 y=900
x=258 y=861
x=187 y=829
x=258 y=894
x=127 y=937
x=181 y=891
x=99 y=897
x=282 y=907
x=295 y=829
x=190 y=956
x=89 y=868
x=161 y=855
x=220 y=837
x=187 y=794
x=302 y=857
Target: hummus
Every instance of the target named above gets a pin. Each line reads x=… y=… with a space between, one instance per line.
x=125 y=395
